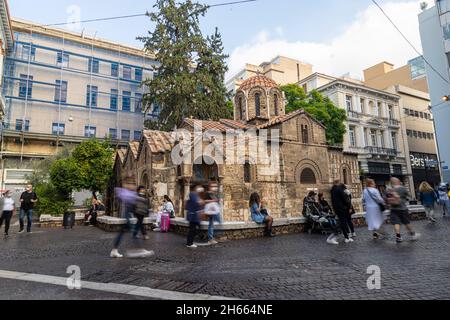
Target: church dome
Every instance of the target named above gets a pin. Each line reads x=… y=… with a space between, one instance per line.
x=258 y=81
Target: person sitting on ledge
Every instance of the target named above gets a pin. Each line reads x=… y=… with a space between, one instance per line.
x=260 y=214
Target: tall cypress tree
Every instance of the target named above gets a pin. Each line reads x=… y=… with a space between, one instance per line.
x=191 y=68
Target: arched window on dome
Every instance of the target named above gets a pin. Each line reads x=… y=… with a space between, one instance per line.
x=308 y=177
x=275 y=104
x=241 y=110
x=258 y=104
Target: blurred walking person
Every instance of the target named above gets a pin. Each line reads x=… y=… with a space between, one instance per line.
x=397 y=199
x=342 y=208
x=444 y=199
x=128 y=197
x=375 y=207
x=140 y=212
x=212 y=210
x=194 y=208
x=27 y=202
x=8 y=210
x=428 y=198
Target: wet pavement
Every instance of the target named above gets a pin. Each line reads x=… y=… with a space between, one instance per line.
x=287 y=267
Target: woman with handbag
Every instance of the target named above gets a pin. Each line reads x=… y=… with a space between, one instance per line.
x=375 y=206
x=260 y=214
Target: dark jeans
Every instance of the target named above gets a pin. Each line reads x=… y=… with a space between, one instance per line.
x=346 y=222
x=193 y=227
x=6 y=216
x=139 y=226
x=29 y=214
x=124 y=228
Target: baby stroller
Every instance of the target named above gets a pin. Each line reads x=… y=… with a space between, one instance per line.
x=318 y=221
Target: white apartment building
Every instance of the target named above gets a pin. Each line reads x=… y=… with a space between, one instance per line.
x=435 y=34
x=374 y=130
x=281 y=69
x=6 y=45
x=62 y=87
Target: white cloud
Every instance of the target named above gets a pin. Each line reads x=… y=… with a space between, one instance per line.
x=368 y=40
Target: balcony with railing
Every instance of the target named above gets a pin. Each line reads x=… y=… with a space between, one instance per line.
x=353 y=115
x=392 y=122
x=382 y=151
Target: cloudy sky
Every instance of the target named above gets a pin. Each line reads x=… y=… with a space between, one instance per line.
x=336 y=36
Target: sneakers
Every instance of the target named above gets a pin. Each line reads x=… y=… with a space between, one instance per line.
x=433 y=220
x=398 y=239
x=115 y=254
x=212 y=242
x=140 y=254
x=157 y=230
x=349 y=240
x=193 y=246
x=332 y=241
x=415 y=236
x=21 y=231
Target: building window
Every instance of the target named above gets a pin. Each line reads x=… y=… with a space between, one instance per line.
x=58 y=129
x=406 y=111
x=90 y=132
x=114 y=99
x=363 y=105
x=420 y=135
x=91 y=96
x=138 y=102
x=241 y=109
x=61 y=91
x=415 y=134
x=379 y=109
x=26 y=86
x=275 y=104
x=305 y=134
x=28 y=54
x=409 y=133
x=258 y=104
x=308 y=177
x=394 y=140
x=127 y=73
x=126 y=135
x=349 y=103
x=137 y=135
x=62 y=60
x=345 y=176
x=126 y=101
x=138 y=74
x=94 y=65
x=421 y=114
x=373 y=138
x=247 y=172
x=352 y=136
x=113 y=133
x=391 y=112
x=114 y=69
x=20 y=125
x=397 y=169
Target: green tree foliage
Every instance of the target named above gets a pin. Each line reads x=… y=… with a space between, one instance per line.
x=191 y=68
x=320 y=108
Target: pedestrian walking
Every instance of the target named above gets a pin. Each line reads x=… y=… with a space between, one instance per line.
x=194 y=207
x=140 y=212
x=342 y=208
x=352 y=211
x=128 y=197
x=8 y=210
x=444 y=199
x=212 y=210
x=428 y=198
x=375 y=207
x=260 y=214
x=27 y=201
x=397 y=198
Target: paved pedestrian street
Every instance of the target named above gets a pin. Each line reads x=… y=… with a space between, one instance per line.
x=33 y=266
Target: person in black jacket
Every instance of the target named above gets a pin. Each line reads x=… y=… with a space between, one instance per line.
x=342 y=207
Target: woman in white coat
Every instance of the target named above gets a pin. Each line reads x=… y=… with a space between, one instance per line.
x=373 y=203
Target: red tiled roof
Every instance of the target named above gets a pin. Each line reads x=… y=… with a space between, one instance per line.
x=121 y=153
x=159 y=141
x=258 y=81
x=134 y=147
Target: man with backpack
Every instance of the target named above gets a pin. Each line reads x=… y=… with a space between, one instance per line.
x=397 y=199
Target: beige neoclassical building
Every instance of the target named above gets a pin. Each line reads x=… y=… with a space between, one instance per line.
x=302 y=161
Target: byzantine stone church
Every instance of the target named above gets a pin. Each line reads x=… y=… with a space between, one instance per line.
x=306 y=161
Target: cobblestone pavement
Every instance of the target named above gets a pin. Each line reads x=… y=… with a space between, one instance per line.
x=287 y=267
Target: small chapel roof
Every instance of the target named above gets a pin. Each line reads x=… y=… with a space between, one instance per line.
x=258 y=81
x=134 y=147
x=159 y=141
